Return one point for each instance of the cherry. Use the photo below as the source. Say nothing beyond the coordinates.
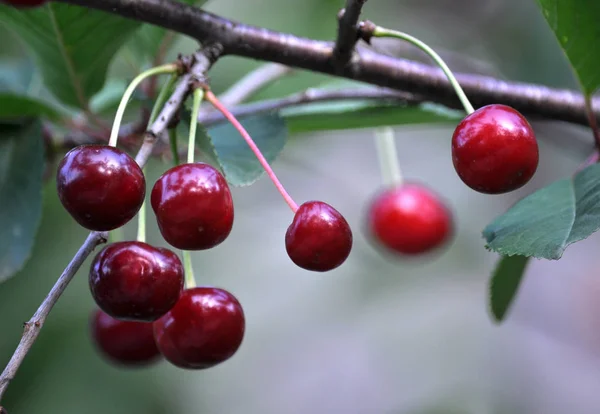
(409, 219)
(319, 238)
(193, 206)
(204, 328)
(124, 342)
(494, 150)
(100, 186)
(136, 281)
(24, 3)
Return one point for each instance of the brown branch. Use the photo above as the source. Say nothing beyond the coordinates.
(347, 32)
(203, 61)
(593, 122)
(367, 66)
(311, 96)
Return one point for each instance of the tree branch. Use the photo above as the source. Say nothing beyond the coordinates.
(253, 82)
(347, 32)
(310, 96)
(367, 66)
(203, 60)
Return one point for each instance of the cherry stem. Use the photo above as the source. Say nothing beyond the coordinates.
(388, 156)
(188, 270)
(141, 233)
(114, 133)
(383, 32)
(173, 144)
(265, 164)
(197, 100)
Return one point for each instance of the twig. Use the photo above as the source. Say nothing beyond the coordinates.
(253, 82)
(589, 110)
(366, 66)
(203, 61)
(347, 32)
(310, 96)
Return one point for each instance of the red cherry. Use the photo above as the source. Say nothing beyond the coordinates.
(136, 281)
(24, 3)
(409, 219)
(193, 206)
(494, 150)
(319, 238)
(124, 342)
(204, 328)
(100, 186)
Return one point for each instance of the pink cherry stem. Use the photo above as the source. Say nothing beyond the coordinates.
(210, 97)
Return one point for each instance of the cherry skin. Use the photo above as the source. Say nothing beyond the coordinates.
(136, 281)
(193, 206)
(24, 3)
(100, 186)
(204, 328)
(319, 238)
(124, 342)
(409, 219)
(494, 150)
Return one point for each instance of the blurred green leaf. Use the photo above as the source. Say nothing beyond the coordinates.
(504, 284)
(575, 24)
(21, 171)
(226, 146)
(544, 223)
(15, 106)
(364, 114)
(73, 46)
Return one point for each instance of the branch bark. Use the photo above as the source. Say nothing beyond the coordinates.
(347, 32)
(367, 66)
(203, 61)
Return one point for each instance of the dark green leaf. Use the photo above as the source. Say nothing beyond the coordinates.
(15, 106)
(236, 159)
(21, 170)
(575, 24)
(73, 46)
(364, 114)
(504, 284)
(543, 224)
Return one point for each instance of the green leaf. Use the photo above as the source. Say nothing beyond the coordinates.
(21, 171)
(16, 107)
(364, 114)
(73, 46)
(543, 224)
(504, 284)
(237, 161)
(575, 24)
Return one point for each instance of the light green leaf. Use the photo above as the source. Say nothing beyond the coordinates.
(21, 170)
(237, 161)
(73, 46)
(575, 24)
(504, 284)
(543, 224)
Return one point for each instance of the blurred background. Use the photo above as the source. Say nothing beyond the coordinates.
(377, 335)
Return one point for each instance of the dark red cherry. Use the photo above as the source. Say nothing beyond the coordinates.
(135, 281)
(100, 186)
(24, 3)
(409, 219)
(124, 342)
(193, 206)
(319, 238)
(204, 328)
(494, 150)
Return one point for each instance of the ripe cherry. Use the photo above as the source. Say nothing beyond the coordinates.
(24, 3)
(100, 186)
(193, 206)
(124, 342)
(204, 328)
(319, 238)
(409, 219)
(136, 281)
(494, 150)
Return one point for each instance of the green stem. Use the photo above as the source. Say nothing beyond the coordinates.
(188, 270)
(116, 235)
(198, 96)
(114, 133)
(388, 157)
(383, 32)
(173, 142)
(141, 234)
(162, 97)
